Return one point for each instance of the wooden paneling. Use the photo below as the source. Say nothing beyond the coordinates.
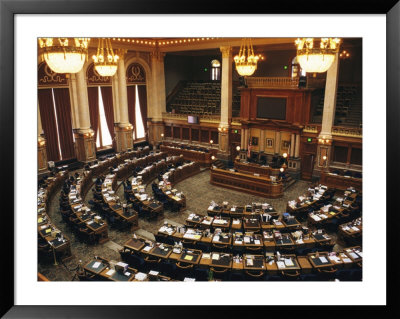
(297, 104)
(340, 182)
(251, 184)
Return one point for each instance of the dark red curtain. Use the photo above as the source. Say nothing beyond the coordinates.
(143, 104)
(93, 94)
(63, 109)
(132, 104)
(106, 94)
(49, 123)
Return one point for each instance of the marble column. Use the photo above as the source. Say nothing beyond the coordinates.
(328, 116)
(297, 147)
(157, 100)
(277, 142)
(115, 92)
(85, 145)
(73, 93)
(122, 128)
(226, 101)
(292, 141)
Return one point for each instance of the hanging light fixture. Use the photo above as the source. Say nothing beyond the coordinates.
(246, 60)
(65, 55)
(105, 61)
(315, 59)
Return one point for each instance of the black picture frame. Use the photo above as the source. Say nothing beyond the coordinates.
(254, 141)
(8, 10)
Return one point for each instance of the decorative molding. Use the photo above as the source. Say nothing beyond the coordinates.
(273, 82)
(135, 74)
(48, 78)
(347, 131)
(310, 129)
(156, 54)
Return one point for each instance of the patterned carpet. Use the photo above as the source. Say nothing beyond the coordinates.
(199, 193)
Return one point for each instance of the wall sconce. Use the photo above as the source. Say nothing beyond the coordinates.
(211, 142)
(284, 155)
(212, 157)
(282, 169)
(324, 141)
(222, 129)
(238, 148)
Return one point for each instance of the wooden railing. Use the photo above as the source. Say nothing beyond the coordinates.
(268, 82)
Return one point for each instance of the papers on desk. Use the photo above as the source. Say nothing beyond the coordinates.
(110, 272)
(246, 239)
(355, 228)
(347, 260)
(188, 257)
(140, 276)
(236, 222)
(206, 256)
(220, 221)
(249, 262)
(323, 260)
(215, 256)
(257, 242)
(216, 238)
(352, 255)
(147, 248)
(96, 264)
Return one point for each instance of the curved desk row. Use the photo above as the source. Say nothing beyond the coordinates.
(238, 241)
(52, 243)
(139, 252)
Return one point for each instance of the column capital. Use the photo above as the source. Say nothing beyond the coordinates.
(226, 51)
(157, 55)
(121, 53)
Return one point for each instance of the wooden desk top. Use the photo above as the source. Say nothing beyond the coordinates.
(135, 244)
(253, 262)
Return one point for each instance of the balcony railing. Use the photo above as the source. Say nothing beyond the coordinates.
(272, 82)
(336, 130)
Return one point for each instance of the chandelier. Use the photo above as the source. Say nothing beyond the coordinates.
(105, 62)
(64, 55)
(246, 61)
(316, 59)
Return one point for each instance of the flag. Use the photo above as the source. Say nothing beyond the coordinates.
(249, 148)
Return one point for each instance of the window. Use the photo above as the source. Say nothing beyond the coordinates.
(139, 121)
(103, 135)
(340, 154)
(215, 70)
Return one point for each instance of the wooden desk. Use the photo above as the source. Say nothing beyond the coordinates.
(203, 158)
(340, 182)
(135, 244)
(251, 168)
(254, 262)
(257, 185)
